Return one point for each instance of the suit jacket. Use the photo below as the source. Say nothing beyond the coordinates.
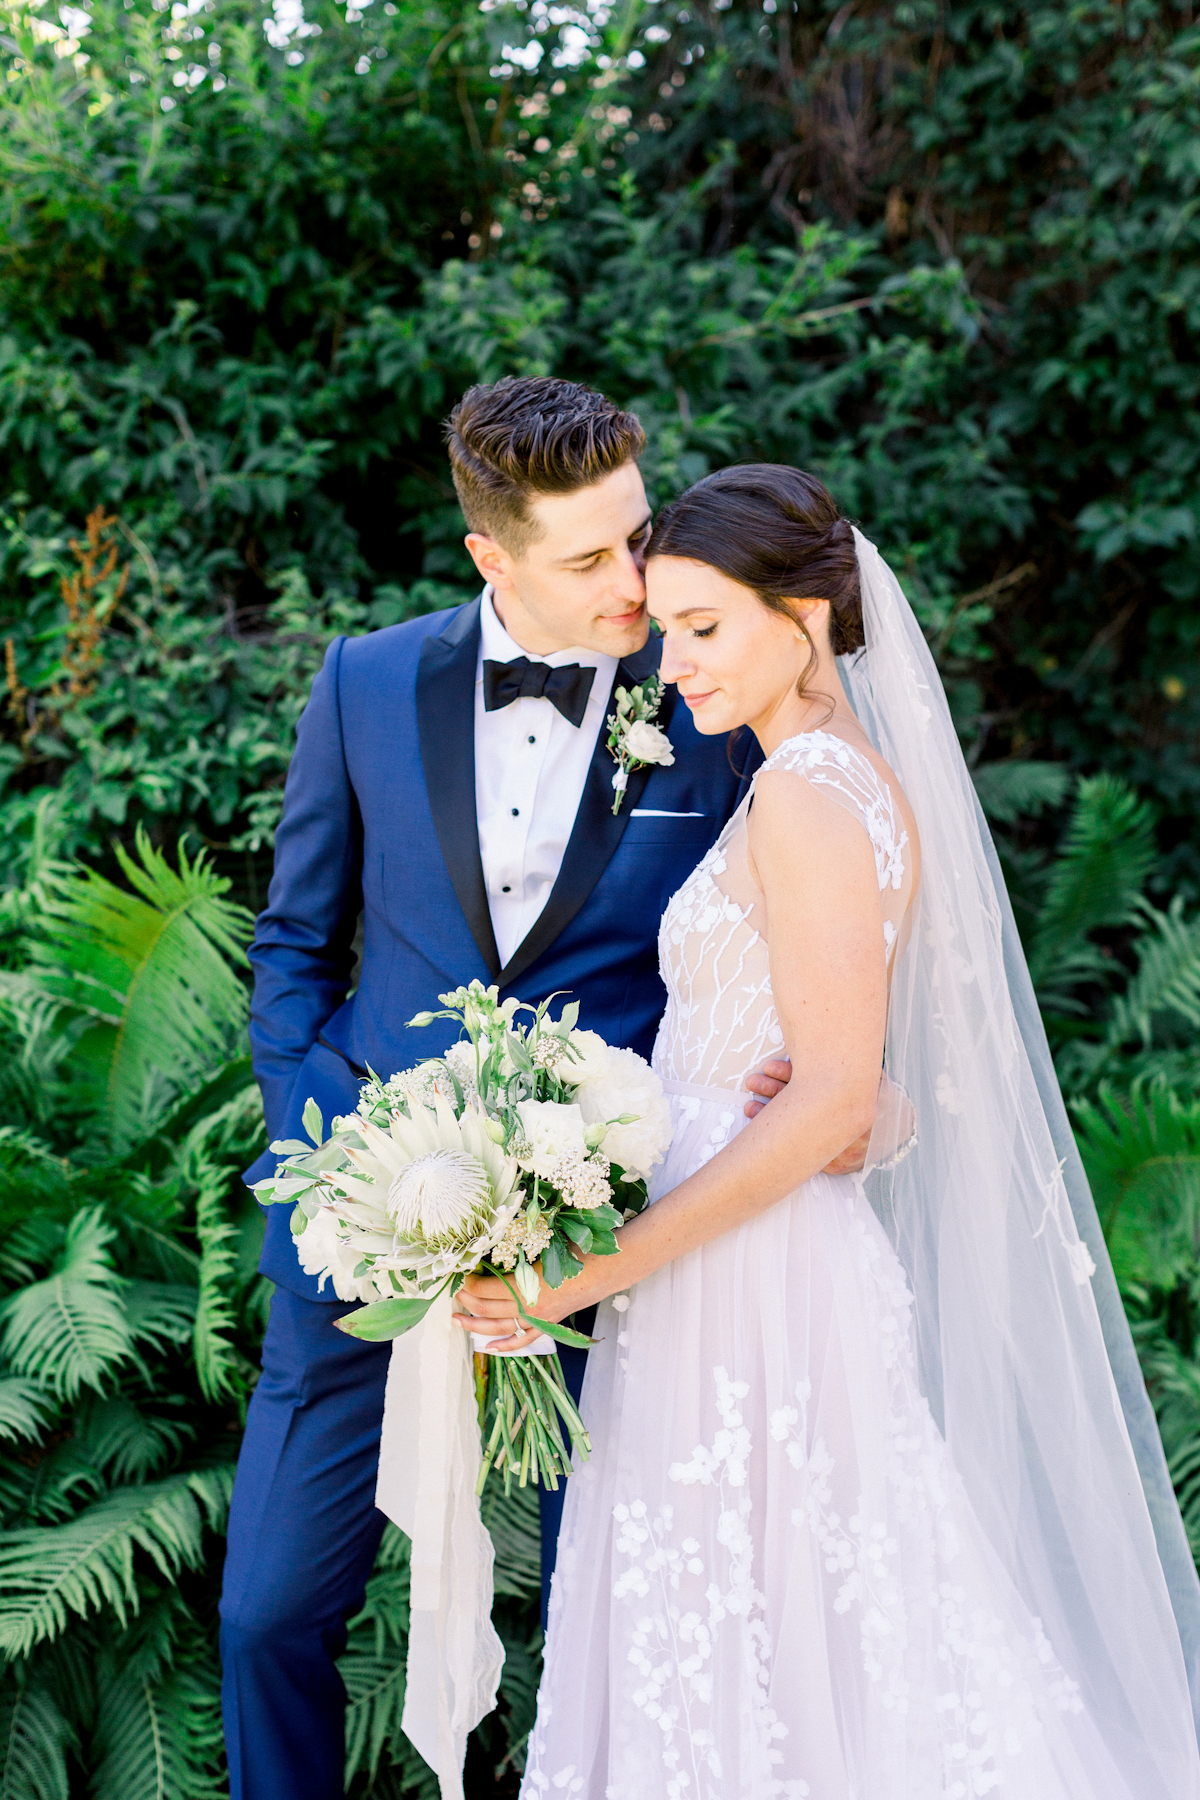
(379, 820)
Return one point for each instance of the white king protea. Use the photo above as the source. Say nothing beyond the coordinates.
(434, 1190)
(443, 1199)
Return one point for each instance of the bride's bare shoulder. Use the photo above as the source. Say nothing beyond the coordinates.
(840, 772)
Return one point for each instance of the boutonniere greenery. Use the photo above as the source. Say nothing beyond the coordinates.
(633, 738)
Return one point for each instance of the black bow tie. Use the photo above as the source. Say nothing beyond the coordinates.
(566, 688)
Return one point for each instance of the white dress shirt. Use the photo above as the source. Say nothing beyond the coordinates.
(530, 768)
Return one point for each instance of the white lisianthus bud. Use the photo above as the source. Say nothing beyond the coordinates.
(495, 1130)
(422, 1018)
(528, 1285)
(645, 743)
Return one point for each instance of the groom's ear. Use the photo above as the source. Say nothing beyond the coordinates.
(490, 558)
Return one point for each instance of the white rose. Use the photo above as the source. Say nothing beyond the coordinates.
(551, 1130)
(590, 1060)
(645, 743)
(322, 1252)
(628, 1085)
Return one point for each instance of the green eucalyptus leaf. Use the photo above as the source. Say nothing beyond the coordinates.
(383, 1320)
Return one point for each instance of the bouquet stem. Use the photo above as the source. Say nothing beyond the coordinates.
(528, 1397)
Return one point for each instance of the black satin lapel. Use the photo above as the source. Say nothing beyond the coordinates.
(597, 830)
(446, 726)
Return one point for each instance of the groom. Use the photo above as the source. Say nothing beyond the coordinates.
(451, 785)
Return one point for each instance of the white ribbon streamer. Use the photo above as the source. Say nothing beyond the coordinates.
(429, 1459)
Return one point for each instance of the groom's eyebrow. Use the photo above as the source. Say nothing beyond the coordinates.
(587, 555)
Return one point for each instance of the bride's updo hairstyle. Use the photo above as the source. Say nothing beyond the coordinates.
(777, 531)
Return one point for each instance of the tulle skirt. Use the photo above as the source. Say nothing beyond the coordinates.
(769, 1579)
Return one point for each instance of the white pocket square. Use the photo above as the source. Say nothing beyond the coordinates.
(654, 812)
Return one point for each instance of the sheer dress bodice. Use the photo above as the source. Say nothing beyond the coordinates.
(720, 1023)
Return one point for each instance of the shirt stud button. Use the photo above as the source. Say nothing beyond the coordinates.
(533, 740)
(516, 812)
(506, 890)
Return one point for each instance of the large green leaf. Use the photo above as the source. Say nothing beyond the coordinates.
(155, 970)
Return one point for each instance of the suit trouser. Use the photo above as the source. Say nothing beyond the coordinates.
(303, 1532)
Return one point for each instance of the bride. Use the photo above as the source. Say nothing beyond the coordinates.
(863, 1519)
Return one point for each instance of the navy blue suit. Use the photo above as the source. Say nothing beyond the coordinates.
(379, 820)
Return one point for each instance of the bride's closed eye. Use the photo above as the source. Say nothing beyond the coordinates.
(707, 630)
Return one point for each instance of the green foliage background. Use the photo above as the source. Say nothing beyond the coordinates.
(945, 255)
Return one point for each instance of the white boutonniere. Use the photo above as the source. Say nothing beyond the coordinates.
(633, 737)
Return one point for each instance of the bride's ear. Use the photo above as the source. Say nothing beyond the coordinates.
(813, 614)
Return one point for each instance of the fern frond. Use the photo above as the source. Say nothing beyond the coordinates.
(70, 1330)
(24, 1407)
(1097, 880)
(372, 1667)
(514, 1524)
(158, 1726)
(155, 971)
(1142, 1156)
(35, 1041)
(1020, 790)
(60, 1482)
(31, 1247)
(161, 1313)
(34, 1740)
(1173, 1380)
(48, 1575)
(218, 1364)
(125, 1444)
(519, 1689)
(1167, 978)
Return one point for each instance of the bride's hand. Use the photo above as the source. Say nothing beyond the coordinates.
(485, 1304)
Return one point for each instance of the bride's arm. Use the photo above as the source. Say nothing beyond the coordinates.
(816, 868)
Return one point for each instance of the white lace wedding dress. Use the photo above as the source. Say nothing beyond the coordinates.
(770, 1581)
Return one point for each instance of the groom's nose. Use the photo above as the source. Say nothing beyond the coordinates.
(629, 578)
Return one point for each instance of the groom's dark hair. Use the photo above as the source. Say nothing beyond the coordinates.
(527, 435)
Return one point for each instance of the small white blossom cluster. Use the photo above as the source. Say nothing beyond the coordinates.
(550, 1052)
(419, 1086)
(583, 1181)
(410, 1087)
(528, 1232)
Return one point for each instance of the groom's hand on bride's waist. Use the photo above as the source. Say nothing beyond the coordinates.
(770, 1080)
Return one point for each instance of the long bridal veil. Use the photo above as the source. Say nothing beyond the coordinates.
(1024, 1352)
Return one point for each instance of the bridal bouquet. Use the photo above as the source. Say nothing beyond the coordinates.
(522, 1145)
